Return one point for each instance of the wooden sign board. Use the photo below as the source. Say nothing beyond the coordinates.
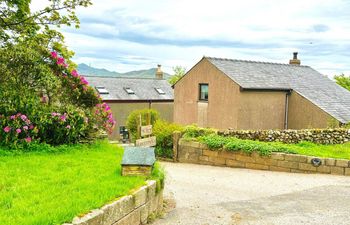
(146, 142)
(146, 130)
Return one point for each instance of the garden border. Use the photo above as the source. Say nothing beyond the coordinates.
(198, 153)
(134, 209)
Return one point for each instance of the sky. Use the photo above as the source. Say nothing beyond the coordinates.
(125, 35)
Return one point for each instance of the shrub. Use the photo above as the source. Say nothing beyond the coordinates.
(164, 130)
(214, 141)
(62, 107)
(63, 127)
(193, 131)
(17, 130)
(133, 120)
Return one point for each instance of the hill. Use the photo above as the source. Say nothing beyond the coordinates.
(92, 71)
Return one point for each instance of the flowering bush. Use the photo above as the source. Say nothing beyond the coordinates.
(104, 117)
(76, 86)
(64, 110)
(68, 127)
(85, 95)
(17, 130)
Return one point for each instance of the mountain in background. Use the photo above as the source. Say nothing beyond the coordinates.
(91, 71)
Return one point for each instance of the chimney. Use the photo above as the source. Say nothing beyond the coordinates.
(159, 73)
(295, 60)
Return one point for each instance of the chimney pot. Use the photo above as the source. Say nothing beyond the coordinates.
(159, 72)
(295, 60)
(295, 55)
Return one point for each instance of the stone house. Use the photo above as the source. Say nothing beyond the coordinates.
(124, 95)
(239, 94)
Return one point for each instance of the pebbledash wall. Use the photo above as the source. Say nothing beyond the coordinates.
(132, 209)
(195, 152)
(320, 136)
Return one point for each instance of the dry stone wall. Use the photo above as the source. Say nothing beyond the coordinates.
(132, 209)
(320, 136)
(198, 153)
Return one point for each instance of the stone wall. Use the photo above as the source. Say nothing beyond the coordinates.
(320, 136)
(132, 209)
(198, 153)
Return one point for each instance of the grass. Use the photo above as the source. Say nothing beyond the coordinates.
(52, 187)
(216, 142)
(340, 151)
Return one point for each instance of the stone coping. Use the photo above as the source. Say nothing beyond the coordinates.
(195, 152)
(131, 209)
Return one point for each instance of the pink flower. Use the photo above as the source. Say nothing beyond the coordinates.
(54, 55)
(55, 114)
(74, 73)
(24, 117)
(65, 65)
(60, 61)
(13, 117)
(7, 129)
(25, 127)
(83, 81)
(68, 126)
(43, 99)
(63, 117)
(28, 139)
(18, 131)
(31, 127)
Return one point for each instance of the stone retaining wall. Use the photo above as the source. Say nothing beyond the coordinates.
(320, 136)
(198, 153)
(132, 209)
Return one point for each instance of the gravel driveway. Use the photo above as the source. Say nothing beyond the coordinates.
(217, 195)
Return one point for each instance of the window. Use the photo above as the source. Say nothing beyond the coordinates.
(102, 90)
(160, 91)
(203, 92)
(129, 91)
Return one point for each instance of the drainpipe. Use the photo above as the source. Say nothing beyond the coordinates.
(150, 104)
(286, 110)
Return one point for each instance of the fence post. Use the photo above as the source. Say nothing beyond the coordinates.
(176, 138)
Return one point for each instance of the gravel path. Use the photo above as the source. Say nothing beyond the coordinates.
(207, 195)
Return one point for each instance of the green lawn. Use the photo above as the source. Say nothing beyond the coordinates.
(51, 188)
(341, 151)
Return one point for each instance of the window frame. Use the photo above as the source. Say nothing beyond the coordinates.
(102, 90)
(160, 91)
(129, 91)
(200, 85)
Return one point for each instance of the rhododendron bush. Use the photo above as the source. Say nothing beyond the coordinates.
(61, 109)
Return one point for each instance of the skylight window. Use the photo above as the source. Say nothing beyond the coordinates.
(129, 91)
(102, 90)
(160, 91)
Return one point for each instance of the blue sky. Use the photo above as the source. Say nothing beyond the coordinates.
(124, 35)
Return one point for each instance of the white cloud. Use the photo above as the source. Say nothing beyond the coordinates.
(134, 34)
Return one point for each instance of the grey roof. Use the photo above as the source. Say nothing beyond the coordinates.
(306, 81)
(144, 88)
(138, 156)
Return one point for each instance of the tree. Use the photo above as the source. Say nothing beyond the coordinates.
(343, 81)
(179, 72)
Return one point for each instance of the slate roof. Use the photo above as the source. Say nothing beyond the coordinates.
(306, 81)
(143, 88)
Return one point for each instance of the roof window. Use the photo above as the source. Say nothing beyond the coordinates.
(102, 90)
(160, 91)
(129, 91)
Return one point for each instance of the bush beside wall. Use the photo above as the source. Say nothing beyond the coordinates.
(319, 136)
